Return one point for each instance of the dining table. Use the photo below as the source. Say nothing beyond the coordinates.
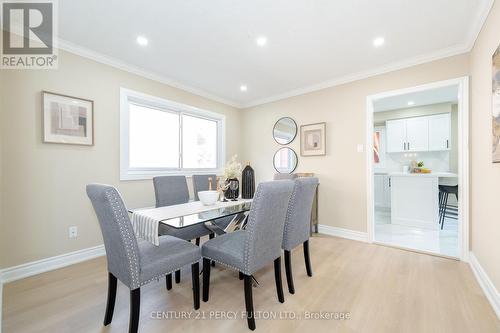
(145, 221)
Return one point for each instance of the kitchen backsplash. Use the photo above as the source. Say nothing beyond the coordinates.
(438, 161)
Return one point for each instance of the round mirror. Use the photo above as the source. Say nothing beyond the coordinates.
(285, 130)
(285, 160)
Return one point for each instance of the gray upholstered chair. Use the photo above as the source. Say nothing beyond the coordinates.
(173, 190)
(281, 176)
(251, 249)
(298, 224)
(200, 183)
(136, 262)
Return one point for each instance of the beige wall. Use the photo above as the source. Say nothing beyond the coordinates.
(342, 171)
(2, 221)
(485, 176)
(44, 184)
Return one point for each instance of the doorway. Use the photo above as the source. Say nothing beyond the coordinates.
(417, 168)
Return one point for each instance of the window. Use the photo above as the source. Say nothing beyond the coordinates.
(160, 137)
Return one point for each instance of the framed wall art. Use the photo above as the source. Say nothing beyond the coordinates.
(313, 139)
(67, 119)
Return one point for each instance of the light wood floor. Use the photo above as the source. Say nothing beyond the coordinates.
(384, 290)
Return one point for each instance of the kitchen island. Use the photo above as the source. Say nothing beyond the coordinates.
(414, 198)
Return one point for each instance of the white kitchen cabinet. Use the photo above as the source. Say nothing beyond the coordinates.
(382, 191)
(396, 136)
(440, 132)
(428, 133)
(417, 134)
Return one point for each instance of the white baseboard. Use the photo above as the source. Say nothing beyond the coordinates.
(343, 233)
(484, 281)
(41, 266)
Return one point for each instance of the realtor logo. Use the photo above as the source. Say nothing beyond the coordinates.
(28, 35)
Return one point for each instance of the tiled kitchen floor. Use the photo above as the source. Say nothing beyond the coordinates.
(437, 241)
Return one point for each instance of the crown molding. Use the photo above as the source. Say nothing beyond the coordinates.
(113, 62)
(478, 23)
(444, 53)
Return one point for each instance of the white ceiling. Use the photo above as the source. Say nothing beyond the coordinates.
(425, 97)
(208, 47)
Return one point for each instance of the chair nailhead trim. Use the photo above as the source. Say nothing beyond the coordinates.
(128, 239)
(250, 229)
(227, 265)
(289, 212)
(163, 274)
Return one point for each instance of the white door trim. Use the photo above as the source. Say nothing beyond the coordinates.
(463, 156)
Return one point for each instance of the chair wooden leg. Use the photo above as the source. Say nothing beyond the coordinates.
(240, 275)
(288, 271)
(307, 258)
(197, 241)
(249, 302)
(206, 278)
(168, 280)
(210, 236)
(277, 279)
(135, 310)
(178, 276)
(110, 306)
(195, 273)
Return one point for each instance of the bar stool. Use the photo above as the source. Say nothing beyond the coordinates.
(444, 191)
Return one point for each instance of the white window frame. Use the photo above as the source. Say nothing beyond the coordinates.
(128, 96)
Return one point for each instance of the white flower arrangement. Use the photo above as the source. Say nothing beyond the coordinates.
(233, 168)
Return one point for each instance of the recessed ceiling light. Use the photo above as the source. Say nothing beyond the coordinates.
(243, 88)
(379, 41)
(141, 40)
(261, 41)
(410, 103)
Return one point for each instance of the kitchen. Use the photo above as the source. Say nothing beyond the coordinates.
(415, 165)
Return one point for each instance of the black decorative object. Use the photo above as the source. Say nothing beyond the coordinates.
(247, 182)
(232, 191)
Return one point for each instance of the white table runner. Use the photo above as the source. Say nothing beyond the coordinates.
(145, 221)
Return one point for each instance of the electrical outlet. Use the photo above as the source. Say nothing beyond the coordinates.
(73, 232)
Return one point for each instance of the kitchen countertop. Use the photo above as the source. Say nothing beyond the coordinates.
(432, 174)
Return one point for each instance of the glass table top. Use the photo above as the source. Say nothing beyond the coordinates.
(206, 216)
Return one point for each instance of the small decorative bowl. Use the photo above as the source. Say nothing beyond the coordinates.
(208, 198)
